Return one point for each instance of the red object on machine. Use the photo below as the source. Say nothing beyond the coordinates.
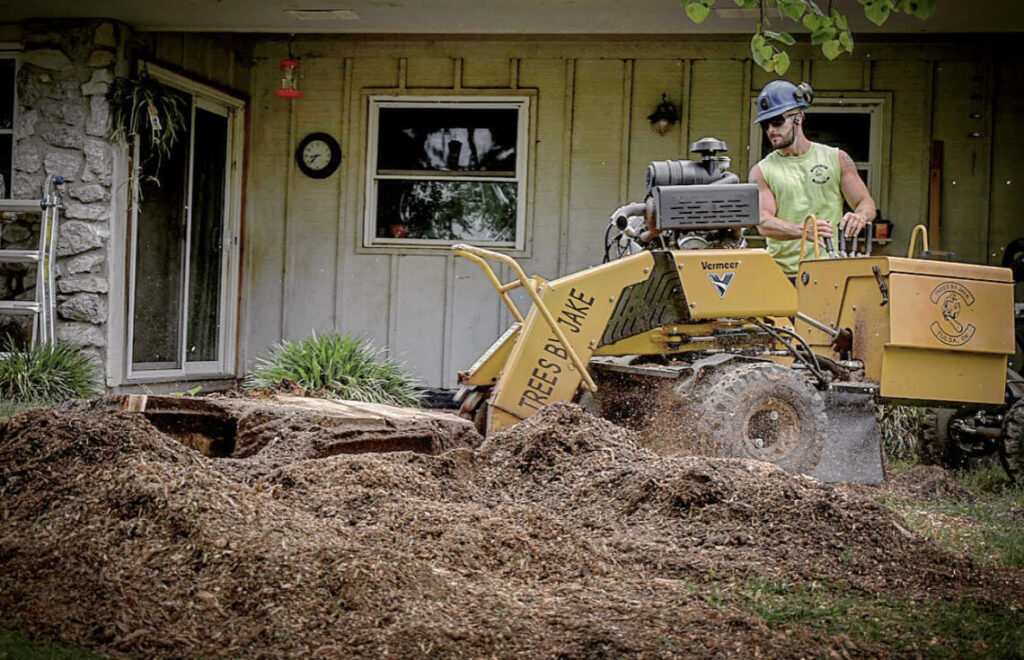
(289, 79)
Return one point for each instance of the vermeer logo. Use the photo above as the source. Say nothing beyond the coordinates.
(721, 282)
(819, 174)
(950, 300)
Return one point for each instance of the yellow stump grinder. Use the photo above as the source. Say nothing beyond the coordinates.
(705, 347)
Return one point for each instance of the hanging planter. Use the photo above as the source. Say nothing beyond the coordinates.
(143, 108)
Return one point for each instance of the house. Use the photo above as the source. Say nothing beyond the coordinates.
(517, 126)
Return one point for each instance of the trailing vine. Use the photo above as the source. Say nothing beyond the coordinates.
(829, 28)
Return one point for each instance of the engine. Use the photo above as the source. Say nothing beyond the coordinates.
(690, 204)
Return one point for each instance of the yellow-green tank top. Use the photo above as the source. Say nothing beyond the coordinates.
(803, 184)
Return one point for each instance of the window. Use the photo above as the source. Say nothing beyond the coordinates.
(7, 70)
(852, 124)
(447, 170)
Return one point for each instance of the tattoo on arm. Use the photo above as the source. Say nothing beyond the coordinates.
(846, 161)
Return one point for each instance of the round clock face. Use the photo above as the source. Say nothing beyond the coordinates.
(318, 155)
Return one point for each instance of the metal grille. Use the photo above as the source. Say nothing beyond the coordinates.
(701, 207)
(650, 304)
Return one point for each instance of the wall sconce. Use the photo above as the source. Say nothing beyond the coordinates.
(664, 116)
(289, 78)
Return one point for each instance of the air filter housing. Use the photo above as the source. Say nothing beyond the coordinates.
(701, 207)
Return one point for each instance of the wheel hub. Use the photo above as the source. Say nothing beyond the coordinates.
(772, 429)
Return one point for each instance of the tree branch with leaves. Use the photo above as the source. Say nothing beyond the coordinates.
(829, 28)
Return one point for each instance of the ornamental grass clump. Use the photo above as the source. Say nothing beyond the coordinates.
(46, 374)
(334, 367)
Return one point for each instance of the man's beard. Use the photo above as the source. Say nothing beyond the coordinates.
(787, 141)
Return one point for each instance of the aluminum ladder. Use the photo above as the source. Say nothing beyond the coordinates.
(44, 308)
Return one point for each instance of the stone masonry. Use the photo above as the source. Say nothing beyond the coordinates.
(63, 129)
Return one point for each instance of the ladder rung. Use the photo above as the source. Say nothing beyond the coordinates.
(20, 205)
(19, 307)
(19, 256)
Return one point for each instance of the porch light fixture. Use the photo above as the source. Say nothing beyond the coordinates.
(664, 116)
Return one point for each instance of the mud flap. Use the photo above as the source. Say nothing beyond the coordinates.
(853, 450)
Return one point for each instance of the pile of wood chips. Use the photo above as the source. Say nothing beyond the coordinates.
(559, 538)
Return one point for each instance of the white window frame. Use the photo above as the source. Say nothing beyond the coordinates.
(520, 103)
(233, 108)
(873, 106)
(9, 51)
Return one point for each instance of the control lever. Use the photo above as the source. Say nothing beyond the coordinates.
(881, 285)
(830, 248)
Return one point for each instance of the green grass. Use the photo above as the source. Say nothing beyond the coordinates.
(989, 530)
(15, 645)
(334, 366)
(933, 629)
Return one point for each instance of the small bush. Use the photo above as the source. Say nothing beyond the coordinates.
(334, 366)
(46, 374)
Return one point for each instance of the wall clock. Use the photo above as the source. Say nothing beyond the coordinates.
(318, 155)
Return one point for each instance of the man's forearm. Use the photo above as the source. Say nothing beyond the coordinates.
(777, 228)
(866, 209)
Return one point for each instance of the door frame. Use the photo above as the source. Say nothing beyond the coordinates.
(209, 99)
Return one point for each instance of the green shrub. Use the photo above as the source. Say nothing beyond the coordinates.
(46, 374)
(334, 366)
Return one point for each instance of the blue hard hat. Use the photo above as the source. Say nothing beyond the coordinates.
(779, 96)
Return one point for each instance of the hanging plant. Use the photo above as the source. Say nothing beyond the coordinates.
(143, 108)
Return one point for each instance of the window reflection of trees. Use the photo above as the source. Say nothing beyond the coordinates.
(450, 210)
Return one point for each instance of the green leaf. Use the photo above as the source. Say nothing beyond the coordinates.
(831, 49)
(821, 35)
(748, 4)
(846, 41)
(812, 21)
(877, 12)
(794, 10)
(757, 47)
(697, 11)
(840, 21)
(781, 62)
(922, 8)
(781, 37)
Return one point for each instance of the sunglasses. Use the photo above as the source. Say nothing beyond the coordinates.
(775, 122)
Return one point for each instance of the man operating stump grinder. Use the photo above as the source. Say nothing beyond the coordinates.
(801, 177)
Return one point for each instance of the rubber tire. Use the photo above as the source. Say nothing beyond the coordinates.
(737, 409)
(1011, 442)
(935, 444)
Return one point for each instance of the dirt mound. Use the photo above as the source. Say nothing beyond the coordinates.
(929, 482)
(561, 537)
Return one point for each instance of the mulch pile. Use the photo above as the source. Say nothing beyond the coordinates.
(559, 538)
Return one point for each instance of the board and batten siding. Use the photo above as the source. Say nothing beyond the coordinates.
(305, 269)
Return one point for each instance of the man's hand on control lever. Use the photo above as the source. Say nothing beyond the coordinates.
(851, 224)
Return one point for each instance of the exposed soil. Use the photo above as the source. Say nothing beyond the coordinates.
(559, 538)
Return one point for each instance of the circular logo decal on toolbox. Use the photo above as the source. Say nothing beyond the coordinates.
(950, 300)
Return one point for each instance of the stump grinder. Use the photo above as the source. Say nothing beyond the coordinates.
(705, 347)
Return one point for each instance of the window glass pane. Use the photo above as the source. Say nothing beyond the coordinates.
(446, 210)
(448, 139)
(206, 244)
(850, 131)
(159, 255)
(5, 165)
(6, 93)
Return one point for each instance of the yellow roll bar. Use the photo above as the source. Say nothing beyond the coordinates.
(919, 229)
(480, 256)
(803, 234)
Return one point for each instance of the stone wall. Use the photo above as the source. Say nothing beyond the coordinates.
(63, 129)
